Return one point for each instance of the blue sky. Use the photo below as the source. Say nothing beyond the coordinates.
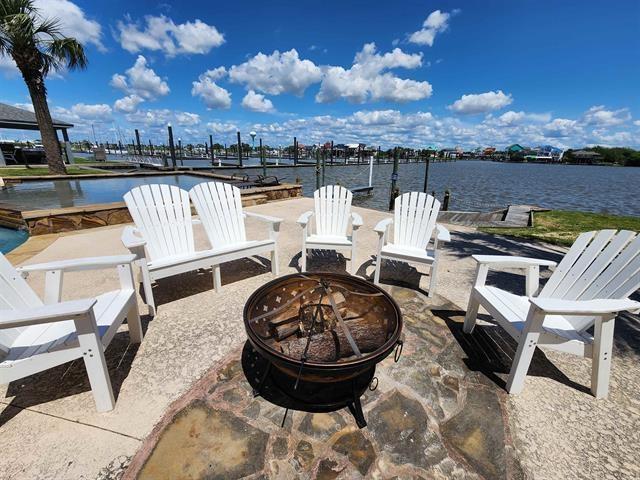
(409, 72)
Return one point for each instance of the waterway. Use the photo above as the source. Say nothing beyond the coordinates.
(474, 186)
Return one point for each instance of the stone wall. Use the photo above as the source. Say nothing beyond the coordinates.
(39, 222)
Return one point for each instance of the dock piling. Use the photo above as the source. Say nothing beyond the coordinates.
(172, 147)
(445, 200)
(394, 180)
(263, 160)
(138, 142)
(426, 174)
(239, 151)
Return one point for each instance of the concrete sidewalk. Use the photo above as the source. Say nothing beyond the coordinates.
(50, 429)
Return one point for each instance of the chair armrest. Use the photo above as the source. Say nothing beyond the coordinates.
(78, 264)
(264, 218)
(584, 307)
(304, 218)
(512, 262)
(46, 313)
(132, 238)
(356, 220)
(442, 233)
(382, 225)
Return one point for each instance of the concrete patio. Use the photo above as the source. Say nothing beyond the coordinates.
(554, 429)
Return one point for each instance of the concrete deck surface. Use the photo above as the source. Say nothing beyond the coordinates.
(49, 427)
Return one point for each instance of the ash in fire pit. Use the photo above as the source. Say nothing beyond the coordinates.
(324, 334)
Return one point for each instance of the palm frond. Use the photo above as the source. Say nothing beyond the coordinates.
(13, 7)
(48, 26)
(37, 44)
(68, 52)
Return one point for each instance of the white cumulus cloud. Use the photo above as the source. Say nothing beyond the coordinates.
(8, 66)
(481, 102)
(276, 73)
(140, 80)
(73, 21)
(128, 104)
(212, 94)
(512, 118)
(367, 79)
(256, 102)
(24, 106)
(221, 127)
(160, 33)
(437, 22)
(598, 115)
(560, 128)
(187, 118)
(83, 113)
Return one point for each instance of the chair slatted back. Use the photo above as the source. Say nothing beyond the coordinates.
(15, 293)
(219, 206)
(603, 264)
(163, 214)
(415, 218)
(332, 210)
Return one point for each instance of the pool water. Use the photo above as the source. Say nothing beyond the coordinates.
(10, 239)
(72, 193)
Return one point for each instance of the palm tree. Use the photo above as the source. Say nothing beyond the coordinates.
(38, 47)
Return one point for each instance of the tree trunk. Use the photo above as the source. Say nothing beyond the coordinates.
(45, 124)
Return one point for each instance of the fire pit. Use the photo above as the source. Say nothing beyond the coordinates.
(315, 339)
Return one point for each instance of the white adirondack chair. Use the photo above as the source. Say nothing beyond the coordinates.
(219, 207)
(414, 224)
(36, 335)
(588, 288)
(333, 215)
(162, 239)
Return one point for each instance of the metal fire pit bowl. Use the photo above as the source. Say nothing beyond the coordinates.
(285, 297)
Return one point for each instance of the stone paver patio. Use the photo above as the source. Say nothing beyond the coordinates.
(450, 381)
(430, 417)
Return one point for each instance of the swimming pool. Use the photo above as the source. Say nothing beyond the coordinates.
(41, 195)
(10, 239)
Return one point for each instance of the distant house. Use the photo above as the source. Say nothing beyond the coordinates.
(450, 153)
(586, 156)
(489, 151)
(515, 148)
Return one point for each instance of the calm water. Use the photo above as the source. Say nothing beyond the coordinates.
(484, 186)
(474, 185)
(10, 239)
(70, 193)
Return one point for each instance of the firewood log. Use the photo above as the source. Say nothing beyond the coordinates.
(332, 345)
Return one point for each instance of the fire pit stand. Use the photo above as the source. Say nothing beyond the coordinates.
(278, 388)
(314, 340)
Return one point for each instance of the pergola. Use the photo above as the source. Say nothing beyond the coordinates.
(15, 118)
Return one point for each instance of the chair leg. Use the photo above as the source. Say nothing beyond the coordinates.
(602, 353)
(376, 274)
(275, 269)
(472, 314)
(100, 382)
(303, 259)
(433, 273)
(352, 267)
(148, 291)
(217, 281)
(133, 320)
(95, 363)
(526, 347)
